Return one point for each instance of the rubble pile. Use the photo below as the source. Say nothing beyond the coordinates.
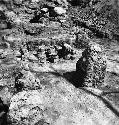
(43, 54)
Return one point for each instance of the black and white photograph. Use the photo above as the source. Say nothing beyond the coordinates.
(59, 62)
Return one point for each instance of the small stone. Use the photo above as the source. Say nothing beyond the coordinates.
(35, 1)
(59, 10)
(32, 57)
(45, 9)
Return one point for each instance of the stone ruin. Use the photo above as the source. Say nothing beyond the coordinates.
(91, 67)
(51, 54)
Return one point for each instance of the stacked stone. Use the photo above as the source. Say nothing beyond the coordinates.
(92, 65)
(96, 68)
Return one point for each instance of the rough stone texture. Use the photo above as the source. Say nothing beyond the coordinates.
(28, 81)
(59, 104)
(27, 71)
(92, 65)
(97, 67)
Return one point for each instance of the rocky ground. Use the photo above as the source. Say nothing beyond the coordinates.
(52, 57)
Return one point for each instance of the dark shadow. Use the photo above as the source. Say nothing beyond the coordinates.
(2, 16)
(36, 18)
(80, 3)
(3, 108)
(71, 77)
(56, 74)
(18, 85)
(29, 33)
(115, 74)
(81, 24)
(116, 37)
(77, 79)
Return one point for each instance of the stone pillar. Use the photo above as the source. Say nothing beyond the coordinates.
(92, 65)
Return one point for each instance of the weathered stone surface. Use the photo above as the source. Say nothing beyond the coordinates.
(92, 65)
(26, 80)
(47, 99)
(60, 10)
(59, 104)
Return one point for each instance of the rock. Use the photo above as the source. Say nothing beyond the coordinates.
(5, 95)
(35, 1)
(32, 57)
(30, 82)
(18, 85)
(82, 3)
(92, 65)
(97, 92)
(59, 104)
(44, 9)
(67, 46)
(2, 8)
(11, 15)
(51, 101)
(116, 69)
(59, 10)
(29, 107)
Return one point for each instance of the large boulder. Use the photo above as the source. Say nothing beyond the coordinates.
(60, 104)
(29, 107)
